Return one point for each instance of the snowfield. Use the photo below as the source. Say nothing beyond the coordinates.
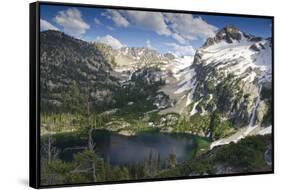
(239, 58)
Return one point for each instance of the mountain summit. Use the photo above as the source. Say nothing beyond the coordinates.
(228, 34)
(234, 68)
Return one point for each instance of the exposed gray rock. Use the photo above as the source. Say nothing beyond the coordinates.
(169, 56)
(224, 169)
(268, 155)
(254, 47)
(161, 101)
(228, 34)
(261, 110)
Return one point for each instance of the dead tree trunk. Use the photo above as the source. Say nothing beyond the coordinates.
(49, 148)
(90, 140)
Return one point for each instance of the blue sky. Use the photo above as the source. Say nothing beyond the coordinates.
(165, 32)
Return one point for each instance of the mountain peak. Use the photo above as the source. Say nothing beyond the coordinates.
(228, 29)
(229, 34)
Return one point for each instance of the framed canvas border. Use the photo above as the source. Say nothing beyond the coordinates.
(34, 93)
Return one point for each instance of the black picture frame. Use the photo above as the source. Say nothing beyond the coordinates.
(34, 93)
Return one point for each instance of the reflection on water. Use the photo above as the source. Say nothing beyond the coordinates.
(118, 149)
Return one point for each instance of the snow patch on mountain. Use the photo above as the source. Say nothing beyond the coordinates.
(183, 73)
(240, 57)
(194, 110)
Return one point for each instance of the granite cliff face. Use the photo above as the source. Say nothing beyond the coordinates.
(233, 73)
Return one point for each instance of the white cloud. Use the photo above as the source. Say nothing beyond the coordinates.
(179, 38)
(182, 27)
(116, 17)
(189, 27)
(148, 20)
(110, 40)
(97, 21)
(110, 28)
(181, 50)
(72, 22)
(45, 25)
(149, 45)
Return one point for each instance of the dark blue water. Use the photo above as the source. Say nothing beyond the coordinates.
(119, 149)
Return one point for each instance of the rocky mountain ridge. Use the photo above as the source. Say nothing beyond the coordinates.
(234, 74)
(229, 78)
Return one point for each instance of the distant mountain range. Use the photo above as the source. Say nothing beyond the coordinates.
(231, 73)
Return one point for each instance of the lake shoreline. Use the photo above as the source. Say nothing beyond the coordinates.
(184, 146)
(241, 134)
